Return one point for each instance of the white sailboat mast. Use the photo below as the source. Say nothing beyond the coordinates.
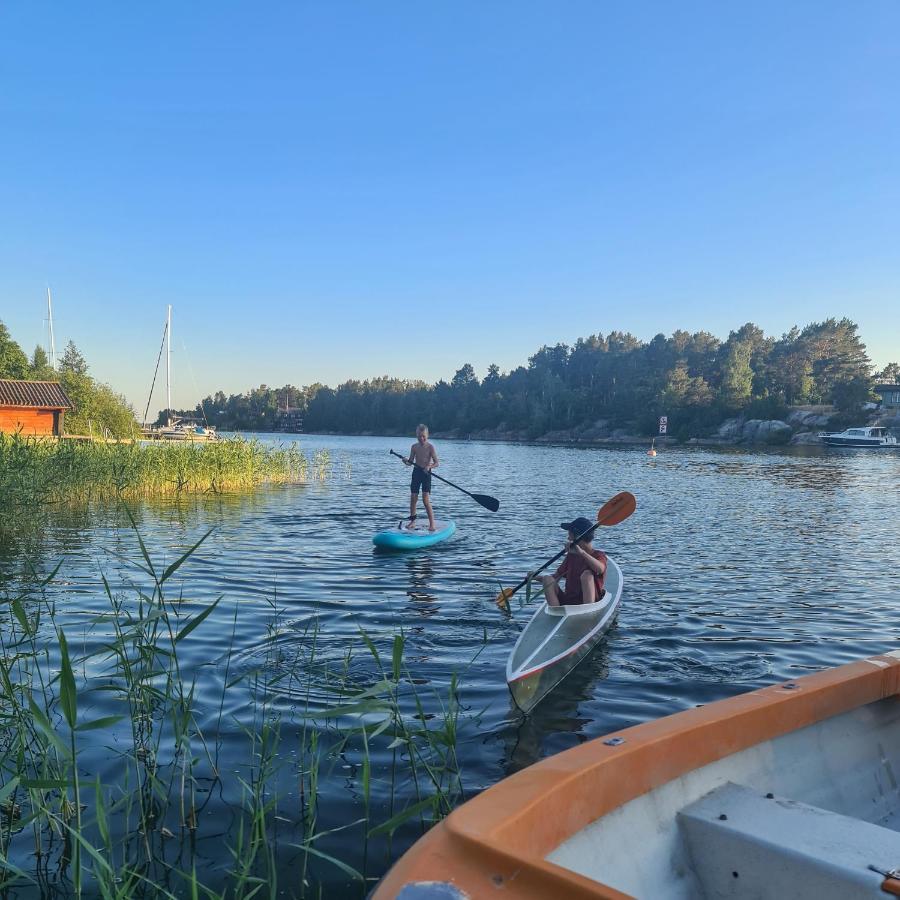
(52, 337)
(169, 365)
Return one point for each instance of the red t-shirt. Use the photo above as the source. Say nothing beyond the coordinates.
(572, 567)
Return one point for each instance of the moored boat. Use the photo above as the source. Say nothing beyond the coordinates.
(181, 430)
(871, 436)
(176, 428)
(787, 791)
(556, 639)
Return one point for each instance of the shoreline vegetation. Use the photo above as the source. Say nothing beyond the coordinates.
(605, 389)
(35, 471)
(98, 408)
(93, 804)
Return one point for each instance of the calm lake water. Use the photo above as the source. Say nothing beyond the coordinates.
(741, 568)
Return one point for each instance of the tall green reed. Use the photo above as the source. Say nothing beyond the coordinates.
(131, 827)
(40, 471)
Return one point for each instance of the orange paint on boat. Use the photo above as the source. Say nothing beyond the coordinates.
(499, 840)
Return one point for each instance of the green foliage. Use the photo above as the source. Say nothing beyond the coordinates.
(465, 376)
(695, 379)
(890, 374)
(40, 366)
(73, 361)
(766, 408)
(13, 361)
(737, 375)
(98, 408)
(849, 396)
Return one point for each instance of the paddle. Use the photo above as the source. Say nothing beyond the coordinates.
(612, 512)
(491, 503)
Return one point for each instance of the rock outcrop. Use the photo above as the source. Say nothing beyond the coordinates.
(800, 418)
(806, 438)
(755, 431)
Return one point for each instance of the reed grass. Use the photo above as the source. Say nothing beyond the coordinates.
(35, 471)
(133, 826)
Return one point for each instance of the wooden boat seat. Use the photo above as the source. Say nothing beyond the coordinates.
(745, 844)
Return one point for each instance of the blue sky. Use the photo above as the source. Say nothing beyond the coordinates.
(330, 190)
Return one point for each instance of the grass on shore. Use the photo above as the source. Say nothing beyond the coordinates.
(34, 472)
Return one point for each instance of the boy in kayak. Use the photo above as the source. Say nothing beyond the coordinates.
(424, 458)
(583, 569)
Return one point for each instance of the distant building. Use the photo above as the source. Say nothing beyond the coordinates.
(890, 395)
(33, 407)
(290, 420)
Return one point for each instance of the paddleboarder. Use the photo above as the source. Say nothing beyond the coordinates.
(583, 569)
(423, 457)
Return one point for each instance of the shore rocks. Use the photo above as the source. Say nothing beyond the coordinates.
(731, 430)
(755, 431)
(801, 428)
(806, 438)
(801, 418)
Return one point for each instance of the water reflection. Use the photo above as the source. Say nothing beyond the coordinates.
(556, 722)
(421, 575)
(741, 568)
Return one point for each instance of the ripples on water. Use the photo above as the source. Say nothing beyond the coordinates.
(741, 568)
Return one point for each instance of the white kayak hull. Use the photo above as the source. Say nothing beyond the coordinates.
(557, 639)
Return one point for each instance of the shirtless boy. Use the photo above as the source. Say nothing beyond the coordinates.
(424, 457)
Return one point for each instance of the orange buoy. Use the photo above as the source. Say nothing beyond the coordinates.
(651, 452)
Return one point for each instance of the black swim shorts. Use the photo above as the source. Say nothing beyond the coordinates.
(420, 480)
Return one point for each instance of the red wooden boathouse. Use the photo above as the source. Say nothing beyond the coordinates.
(33, 407)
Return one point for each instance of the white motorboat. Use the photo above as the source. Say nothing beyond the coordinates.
(871, 436)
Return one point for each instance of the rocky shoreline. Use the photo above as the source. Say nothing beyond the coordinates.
(801, 428)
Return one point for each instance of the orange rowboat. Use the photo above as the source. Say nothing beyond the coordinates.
(791, 791)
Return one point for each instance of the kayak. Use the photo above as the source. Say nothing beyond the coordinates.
(558, 638)
(789, 791)
(402, 538)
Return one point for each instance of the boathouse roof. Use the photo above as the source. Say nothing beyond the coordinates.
(34, 394)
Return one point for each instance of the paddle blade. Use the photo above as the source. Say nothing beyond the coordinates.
(617, 509)
(491, 503)
(504, 596)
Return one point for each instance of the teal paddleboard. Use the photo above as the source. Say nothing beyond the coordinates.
(402, 538)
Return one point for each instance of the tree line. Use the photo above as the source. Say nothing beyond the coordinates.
(695, 379)
(98, 407)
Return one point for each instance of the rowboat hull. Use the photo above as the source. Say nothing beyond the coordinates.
(556, 640)
(787, 791)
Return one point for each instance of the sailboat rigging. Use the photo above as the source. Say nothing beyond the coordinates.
(176, 428)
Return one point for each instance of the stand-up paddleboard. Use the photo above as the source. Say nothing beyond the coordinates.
(402, 538)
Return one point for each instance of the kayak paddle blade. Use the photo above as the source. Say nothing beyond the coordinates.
(617, 509)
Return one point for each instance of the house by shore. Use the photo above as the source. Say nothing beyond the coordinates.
(33, 408)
